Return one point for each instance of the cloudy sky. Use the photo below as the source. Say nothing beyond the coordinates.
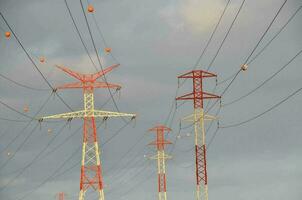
(154, 41)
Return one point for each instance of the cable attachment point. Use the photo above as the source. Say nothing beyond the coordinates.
(118, 90)
(133, 119)
(104, 121)
(40, 126)
(54, 92)
(244, 67)
(69, 122)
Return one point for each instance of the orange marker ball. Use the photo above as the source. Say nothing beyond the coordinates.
(42, 59)
(90, 8)
(107, 50)
(7, 34)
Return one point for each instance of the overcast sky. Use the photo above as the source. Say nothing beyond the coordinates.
(154, 41)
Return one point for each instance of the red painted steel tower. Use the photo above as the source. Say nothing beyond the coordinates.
(198, 118)
(161, 157)
(61, 196)
(91, 170)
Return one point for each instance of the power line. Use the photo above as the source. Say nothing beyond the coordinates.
(22, 85)
(118, 178)
(262, 50)
(126, 153)
(116, 133)
(272, 39)
(51, 176)
(263, 35)
(234, 76)
(98, 58)
(201, 56)
(26, 126)
(237, 73)
(210, 39)
(102, 36)
(140, 182)
(276, 35)
(264, 82)
(13, 120)
(34, 159)
(225, 37)
(79, 34)
(263, 113)
(213, 33)
(18, 149)
(31, 60)
(16, 111)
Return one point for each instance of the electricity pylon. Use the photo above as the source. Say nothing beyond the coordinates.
(161, 157)
(91, 170)
(198, 118)
(61, 196)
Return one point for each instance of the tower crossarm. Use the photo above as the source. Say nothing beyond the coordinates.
(88, 113)
(200, 96)
(96, 84)
(69, 115)
(101, 113)
(156, 157)
(199, 115)
(197, 74)
(164, 142)
(87, 77)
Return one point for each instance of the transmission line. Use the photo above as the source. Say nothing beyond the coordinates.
(98, 58)
(22, 85)
(266, 111)
(32, 61)
(264, 82)
(248, 62)
(79, 34)
(26, 126)
(225, 37)
(33, 160)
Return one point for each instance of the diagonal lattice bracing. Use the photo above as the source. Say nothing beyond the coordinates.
(91, 168)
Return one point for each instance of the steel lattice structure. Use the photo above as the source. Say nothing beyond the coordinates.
(198, 118)
(61, 196)
(91, 170)
(161, 157)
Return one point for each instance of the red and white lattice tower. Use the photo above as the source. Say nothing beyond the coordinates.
(161, 157)
(61, 196)
(198, 118)
(91, 169)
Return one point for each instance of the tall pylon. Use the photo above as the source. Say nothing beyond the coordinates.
(161, 157)
(198, 118)
(91, 170)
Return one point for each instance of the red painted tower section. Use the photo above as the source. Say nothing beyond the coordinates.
(198, 95)
(160, 144)
(61, 196)
(91, 170)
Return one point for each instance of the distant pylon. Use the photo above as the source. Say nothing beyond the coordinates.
(91, 170)
(161, 159)
(61, 196)
(198, 118)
